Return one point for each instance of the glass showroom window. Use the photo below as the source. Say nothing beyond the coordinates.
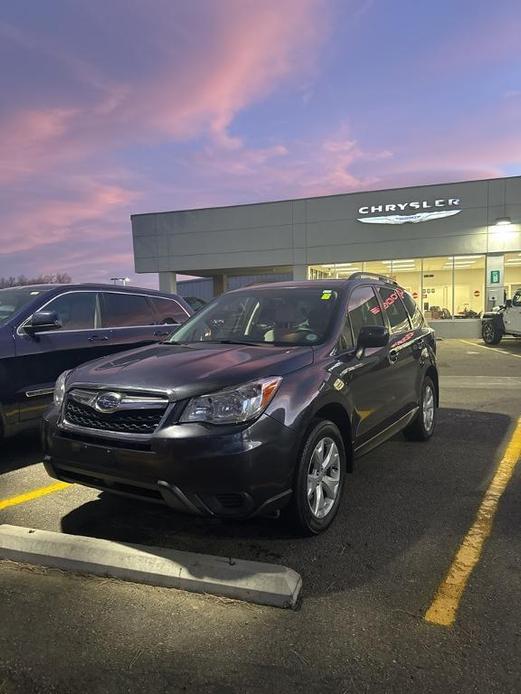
(407, 272)
(469, 285)
(333, 270)
(512, 273)
(437, 299)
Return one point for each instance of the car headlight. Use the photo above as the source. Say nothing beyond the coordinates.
(59, 388)
(233, 405)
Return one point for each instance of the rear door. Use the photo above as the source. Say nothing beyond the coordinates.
(365, 376)
(402, 354)
(40, 358)
(131, 318)
(168, 312)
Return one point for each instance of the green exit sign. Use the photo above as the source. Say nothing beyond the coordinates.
(495, 276)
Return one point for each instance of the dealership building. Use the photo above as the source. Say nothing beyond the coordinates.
(455, 246)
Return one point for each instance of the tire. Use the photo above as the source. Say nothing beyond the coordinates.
(308, 513)
(491, 333)
(424, 423)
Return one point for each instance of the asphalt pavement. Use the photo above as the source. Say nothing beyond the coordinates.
(368, 581)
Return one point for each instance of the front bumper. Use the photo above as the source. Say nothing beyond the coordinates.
(206, 470)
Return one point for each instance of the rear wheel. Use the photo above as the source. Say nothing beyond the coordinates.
(491, 334)
(422, 426)
(319, 479)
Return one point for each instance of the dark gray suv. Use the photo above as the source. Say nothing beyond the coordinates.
(258, 403)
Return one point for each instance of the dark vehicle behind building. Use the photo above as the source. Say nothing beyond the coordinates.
(45, 329)
(195, 302)
(258, 403)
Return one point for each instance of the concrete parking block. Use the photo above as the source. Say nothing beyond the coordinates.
(251, 581)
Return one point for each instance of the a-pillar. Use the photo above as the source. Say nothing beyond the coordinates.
(168, 282)
(220, 284)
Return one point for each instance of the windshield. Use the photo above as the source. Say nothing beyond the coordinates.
(13, 300)
(279, 316)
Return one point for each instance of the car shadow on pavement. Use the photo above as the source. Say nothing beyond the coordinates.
(401, 495)
(508, 344)
(20, 451)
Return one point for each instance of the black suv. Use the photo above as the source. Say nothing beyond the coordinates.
(46, 328)
(258, 403)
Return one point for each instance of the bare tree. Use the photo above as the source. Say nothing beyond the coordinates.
(23, 281)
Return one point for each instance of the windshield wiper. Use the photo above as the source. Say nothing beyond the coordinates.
(215, 342)
(236, 342)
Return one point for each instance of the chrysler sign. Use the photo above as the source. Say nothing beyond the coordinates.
(414, 212)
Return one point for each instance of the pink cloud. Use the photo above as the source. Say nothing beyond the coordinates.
(37, 224)
(28, 138)
(254, 47)
(183, 74)
(63, 148)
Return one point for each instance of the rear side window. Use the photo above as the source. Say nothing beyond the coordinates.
(394, 309)
(363, 309)
(168, 310)
(125, 310)
(412, 309)
(76, 311)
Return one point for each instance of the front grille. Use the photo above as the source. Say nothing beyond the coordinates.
(124, 422)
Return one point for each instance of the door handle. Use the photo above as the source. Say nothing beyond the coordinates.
(98, 338)
(393, 356)
(162, 333)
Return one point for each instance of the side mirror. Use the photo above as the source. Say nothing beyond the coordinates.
(508, 303)
(372, 336)
(41, 321)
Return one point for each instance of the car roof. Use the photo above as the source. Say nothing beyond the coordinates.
(324, 283)
(93, 287)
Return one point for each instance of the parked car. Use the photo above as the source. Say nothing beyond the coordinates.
(195, 302)
(46, 328)
(506, 320)
(258, 403)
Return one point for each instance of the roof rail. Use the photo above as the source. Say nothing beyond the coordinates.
(372, 275)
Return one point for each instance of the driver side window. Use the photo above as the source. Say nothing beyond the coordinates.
(364, 309)
(516, 299)
(76, 310)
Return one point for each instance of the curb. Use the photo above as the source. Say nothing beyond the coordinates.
(251, 581)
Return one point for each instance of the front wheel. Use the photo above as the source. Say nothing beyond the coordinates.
(491, 334)
(422, 426)
(319, 479)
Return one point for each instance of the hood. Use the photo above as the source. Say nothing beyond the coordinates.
(190, 370)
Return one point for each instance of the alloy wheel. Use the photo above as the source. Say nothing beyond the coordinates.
(428, 407)
(323, 479)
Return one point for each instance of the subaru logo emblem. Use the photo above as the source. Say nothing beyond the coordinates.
(108, 402)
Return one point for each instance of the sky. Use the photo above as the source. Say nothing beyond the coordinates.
(115, 107)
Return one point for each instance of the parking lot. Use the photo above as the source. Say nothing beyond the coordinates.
(368, 581)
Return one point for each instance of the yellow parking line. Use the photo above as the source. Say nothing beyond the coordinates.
(446, 601)
(492, 349)
(33, 494)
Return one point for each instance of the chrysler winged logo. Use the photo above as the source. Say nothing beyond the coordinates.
(411, 218)
(108, 402)
(413, 211)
